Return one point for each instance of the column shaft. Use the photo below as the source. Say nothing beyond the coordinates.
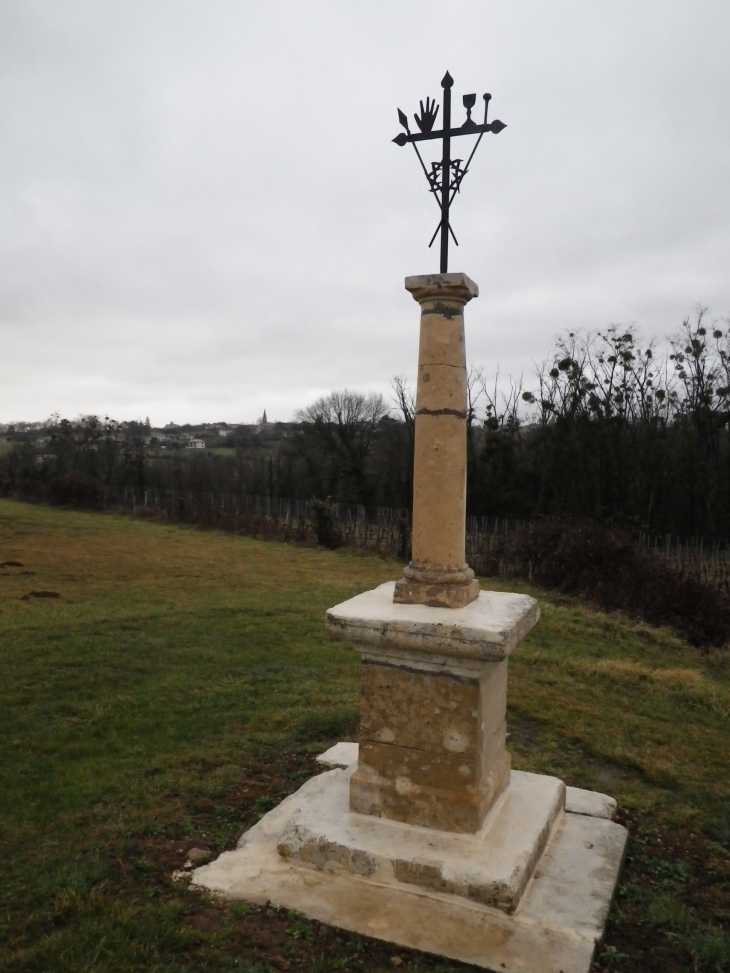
(438, 574)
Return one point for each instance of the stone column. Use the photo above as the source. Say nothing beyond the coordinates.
(438, 574)
(434, 650)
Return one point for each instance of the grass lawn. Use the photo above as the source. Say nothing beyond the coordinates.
(181, 683)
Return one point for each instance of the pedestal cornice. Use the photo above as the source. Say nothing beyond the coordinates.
(486, 630)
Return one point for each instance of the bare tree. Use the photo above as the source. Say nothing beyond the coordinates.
(405, 401)
(344, 425)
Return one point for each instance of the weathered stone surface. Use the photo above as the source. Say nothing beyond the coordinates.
(436, 595)
(438, 574)
(595, 805)
(492, 867)
(432, 745)
(554, 928)
(487, 629)
(432, 712)
(577, 875)
(437, 286)
(424, 789)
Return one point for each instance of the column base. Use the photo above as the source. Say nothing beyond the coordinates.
(435, 595)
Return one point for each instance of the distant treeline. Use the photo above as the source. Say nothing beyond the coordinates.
(608, 429)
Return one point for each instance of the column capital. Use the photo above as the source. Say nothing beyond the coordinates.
(450, 287)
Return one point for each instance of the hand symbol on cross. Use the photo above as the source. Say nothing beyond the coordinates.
(428, 115)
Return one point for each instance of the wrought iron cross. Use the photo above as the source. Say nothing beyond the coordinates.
(445, 177)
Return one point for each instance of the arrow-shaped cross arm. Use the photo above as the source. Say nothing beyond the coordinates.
(495, 127)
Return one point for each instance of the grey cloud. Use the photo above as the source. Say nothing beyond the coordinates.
(204, 214)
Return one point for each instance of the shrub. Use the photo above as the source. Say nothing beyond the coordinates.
(608, 568)
(325, 522)
(76, 490)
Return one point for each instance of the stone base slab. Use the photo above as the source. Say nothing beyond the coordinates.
(555, 927)
(492, 867)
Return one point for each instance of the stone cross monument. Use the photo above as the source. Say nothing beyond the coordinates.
(421, 834)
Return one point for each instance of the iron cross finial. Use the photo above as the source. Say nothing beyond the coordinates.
(445, 177)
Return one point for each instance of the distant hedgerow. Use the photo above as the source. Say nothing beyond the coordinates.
(608, 568)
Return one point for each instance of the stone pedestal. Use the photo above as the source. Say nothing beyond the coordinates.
(422, 836)
(438, 574)
(433, 697)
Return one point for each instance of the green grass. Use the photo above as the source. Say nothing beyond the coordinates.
(178, 667)
(623, 706)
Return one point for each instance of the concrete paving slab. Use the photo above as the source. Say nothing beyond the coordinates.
(340, 755)
(554, 929)
(595, 805)
(574, 883)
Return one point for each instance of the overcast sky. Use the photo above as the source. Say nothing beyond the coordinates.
(203, 214)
